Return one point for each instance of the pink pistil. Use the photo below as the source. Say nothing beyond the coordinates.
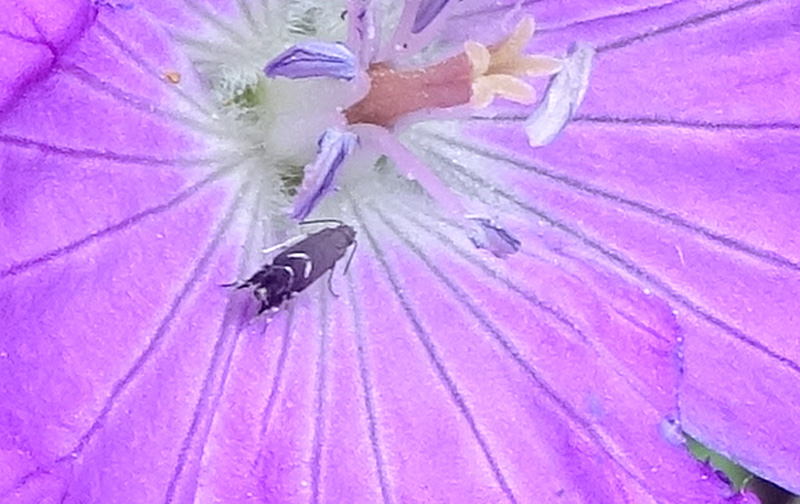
(394, 94)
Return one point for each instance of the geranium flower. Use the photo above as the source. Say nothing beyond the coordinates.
(519, 323)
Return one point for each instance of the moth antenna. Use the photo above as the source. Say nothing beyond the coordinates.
(321, 221)
(350, 259)
(285, 244)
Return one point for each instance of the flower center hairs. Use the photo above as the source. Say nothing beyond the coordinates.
(327, 99)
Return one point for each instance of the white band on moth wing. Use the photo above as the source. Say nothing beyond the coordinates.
(305, 257)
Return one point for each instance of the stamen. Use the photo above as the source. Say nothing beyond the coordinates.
(363, 31)
(334, 147)
(314, 59)
(493, 238)
(426, 13)
(486, 88)
(563, 96)
(508, 53)
(479, 57)
(172, 77)
(476, 77)
(497, 70)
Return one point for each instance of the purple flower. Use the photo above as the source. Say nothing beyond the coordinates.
(145, 160)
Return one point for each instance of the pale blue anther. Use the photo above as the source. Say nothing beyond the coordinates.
(493, 238)
(314, 59)
(333, 148)
(562, 97)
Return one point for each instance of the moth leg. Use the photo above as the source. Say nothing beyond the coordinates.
(350, 259)
(330, 282)
(239, 284)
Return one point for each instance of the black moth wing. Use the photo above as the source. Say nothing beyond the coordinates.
(312, 257)
(298, 266)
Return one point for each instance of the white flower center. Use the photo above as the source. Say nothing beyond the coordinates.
(281, 119)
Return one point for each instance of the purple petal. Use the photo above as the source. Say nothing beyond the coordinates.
(497, 397)
(494, 238)
(334, 146)
(314, 59)
(439, 375)
(114, 246)
(680, 170)
(32, 36)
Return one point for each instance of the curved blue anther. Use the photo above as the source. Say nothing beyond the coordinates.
(314, 59)
(493, 238)
(334, 147)
(426, 13)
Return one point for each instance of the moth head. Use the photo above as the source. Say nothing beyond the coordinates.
(261, 293)
(273, 286)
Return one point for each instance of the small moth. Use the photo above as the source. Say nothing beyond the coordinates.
(299, 265)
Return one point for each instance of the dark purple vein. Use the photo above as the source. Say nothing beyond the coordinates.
(642, 326)
(144, 65)
(101, 154)
(207, 402)
(555, 313)
(663, 215)
(286, 343)
(136, 102)
(320, 386)
(209, 397)
(508, 346)
(689, 124)
(194, 278)
(434, 358)
(247, 13)
(678, 26)
(367, 391)
(219, 52)
(619, 15)
(664, 122)
(26, 40)
(113, 229)
(153, 345)
(629, 266)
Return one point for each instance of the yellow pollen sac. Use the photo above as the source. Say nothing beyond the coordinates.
(496, 70)
(172, 77)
